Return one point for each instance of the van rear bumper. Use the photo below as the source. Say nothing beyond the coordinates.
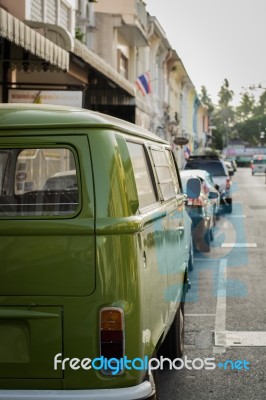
(142, 391)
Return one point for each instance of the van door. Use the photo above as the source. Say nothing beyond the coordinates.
(47, 247)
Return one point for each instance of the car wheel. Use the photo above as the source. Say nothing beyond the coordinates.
(211, 234)
(173, 345)
(206, 242)
(228, 208)
(191, 256)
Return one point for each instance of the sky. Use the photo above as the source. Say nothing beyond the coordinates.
(217, 39)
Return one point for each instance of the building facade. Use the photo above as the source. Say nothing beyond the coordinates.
(111, 57)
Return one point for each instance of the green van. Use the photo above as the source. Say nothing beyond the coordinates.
(94, 252)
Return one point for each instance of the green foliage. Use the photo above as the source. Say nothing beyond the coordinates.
(225, 95)
(79, 35)
(250, 129)
(206, 99)
(246, 121)
(246, 108)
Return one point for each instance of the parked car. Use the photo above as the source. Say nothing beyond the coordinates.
(95, 247)
(258, 164)
(201, 210)
(66, 180)
(210, 186)
(220, 175)
(233, 163)
(229, 167)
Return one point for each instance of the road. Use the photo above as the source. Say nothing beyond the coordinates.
(225, 313)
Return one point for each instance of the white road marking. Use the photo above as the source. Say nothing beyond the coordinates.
(220, 316)
(237, 216)
(248, 339)
(200, 315)
(239, 245)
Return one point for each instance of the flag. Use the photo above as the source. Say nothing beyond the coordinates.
(144, 83)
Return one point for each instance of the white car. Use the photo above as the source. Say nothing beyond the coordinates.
(258, 164)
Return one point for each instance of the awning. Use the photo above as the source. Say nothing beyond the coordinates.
(22, 35)
(102, 66)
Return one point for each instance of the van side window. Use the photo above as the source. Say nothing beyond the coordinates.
(37, 182)
(142, 175)
(173, 170)
(164, 174)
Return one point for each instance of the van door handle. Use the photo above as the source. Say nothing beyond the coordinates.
(144, 260)
(181, 229)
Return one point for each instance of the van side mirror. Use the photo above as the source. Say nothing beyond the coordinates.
(217, 187)
(193, 188)
(231, 173)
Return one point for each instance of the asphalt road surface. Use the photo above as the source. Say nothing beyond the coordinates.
(225, 313)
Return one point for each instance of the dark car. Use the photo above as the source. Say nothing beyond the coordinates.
(219, 173)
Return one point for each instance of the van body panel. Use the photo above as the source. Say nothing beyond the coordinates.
(58, 271)
(115, 188)
(31, 338)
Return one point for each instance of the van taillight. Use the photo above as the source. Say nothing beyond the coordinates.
(112, 333)
(228, 183)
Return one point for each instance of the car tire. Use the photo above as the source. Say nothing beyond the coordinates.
(173, 345)
(206, 242)
(211, 235)
(228, 208)
(191, 257)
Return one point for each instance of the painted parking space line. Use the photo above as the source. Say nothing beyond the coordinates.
(240, 245)
(237, 216)
(200, 315)
(220, 315)
(245, 339)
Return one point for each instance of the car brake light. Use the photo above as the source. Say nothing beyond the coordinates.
(196, 202)
(111, 333)
(228, 183)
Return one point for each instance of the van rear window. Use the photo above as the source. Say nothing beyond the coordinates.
(38, 182)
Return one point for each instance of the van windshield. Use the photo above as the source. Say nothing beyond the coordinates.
(37, 181)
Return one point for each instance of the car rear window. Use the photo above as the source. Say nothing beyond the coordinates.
(38, 182)
(213, 167)
(257, 161)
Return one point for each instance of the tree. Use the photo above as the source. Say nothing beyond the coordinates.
(227, 115)
(206, 100)
(261, 107)
(246, 108)
(225, 95)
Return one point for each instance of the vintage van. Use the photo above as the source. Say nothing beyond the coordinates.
(94, 252)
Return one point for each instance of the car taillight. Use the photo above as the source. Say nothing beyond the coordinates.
(228, 183)
(112, 333)
(196, 202)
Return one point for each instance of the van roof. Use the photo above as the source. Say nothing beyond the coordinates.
(32, 116)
